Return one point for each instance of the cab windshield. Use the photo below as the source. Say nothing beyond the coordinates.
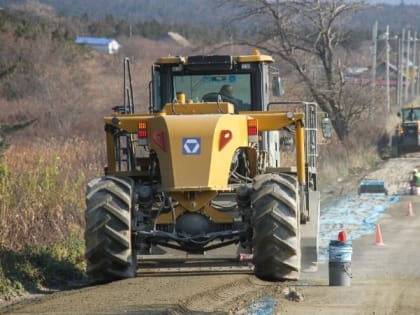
(411, 114)
(233, 88)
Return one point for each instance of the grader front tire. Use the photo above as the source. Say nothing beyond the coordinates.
(109, 252)
(276, 237)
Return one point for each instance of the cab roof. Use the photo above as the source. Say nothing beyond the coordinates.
(254, 57)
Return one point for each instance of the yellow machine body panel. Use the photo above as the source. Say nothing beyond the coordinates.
(199, 108)
(191, 155)
(186, 138)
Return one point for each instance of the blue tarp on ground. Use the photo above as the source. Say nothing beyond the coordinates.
(355, 214)
(264, 305)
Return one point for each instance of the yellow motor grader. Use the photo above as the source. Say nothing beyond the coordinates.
(201, 172)
(406, 138)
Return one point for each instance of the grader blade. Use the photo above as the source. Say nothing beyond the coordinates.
(193, 264)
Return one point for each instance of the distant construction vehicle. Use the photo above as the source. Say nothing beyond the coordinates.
(407, 133)
(201, 171)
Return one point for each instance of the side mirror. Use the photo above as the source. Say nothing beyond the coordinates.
(277, 86)
(399, 114)
(326, 126)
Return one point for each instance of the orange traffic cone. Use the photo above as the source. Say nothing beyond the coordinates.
(410, 209)
(378, 236)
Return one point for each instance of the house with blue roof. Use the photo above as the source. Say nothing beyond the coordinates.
(107, 45)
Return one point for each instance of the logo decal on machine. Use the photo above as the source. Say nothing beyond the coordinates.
(191, 146)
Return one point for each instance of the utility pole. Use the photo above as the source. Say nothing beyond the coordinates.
(407, 70)
(418, 82)
(415, 69)
(399, 74)
(373, 82)
(400, 69)
(387, 49)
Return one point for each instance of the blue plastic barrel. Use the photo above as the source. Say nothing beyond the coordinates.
(339, 265)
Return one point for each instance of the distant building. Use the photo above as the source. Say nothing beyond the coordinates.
(107, 45)
(393, 75)
(355, 73)
(362, 75)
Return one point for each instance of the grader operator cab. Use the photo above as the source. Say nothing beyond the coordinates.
(407, 133)
(201, 172)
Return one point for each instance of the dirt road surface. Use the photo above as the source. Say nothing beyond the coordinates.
(385, 278)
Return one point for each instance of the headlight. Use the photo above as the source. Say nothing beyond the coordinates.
(290, 115)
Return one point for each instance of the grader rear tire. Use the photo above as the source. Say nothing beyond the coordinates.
(109, 252)
(276, 237)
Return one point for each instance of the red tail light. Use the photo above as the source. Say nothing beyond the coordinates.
(252, 130)
(142, 133)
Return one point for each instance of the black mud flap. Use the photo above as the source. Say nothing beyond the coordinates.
(310, 234)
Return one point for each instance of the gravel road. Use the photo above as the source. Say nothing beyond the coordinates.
(385, 278)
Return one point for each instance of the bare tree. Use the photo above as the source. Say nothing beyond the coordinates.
(6, 130)
(304, 33)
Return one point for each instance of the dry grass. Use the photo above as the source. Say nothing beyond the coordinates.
(358, 153)
(42, 190)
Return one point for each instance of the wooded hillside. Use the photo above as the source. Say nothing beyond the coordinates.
(209, 13)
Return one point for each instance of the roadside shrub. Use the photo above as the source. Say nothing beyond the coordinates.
(42, 187)
(42, 268)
